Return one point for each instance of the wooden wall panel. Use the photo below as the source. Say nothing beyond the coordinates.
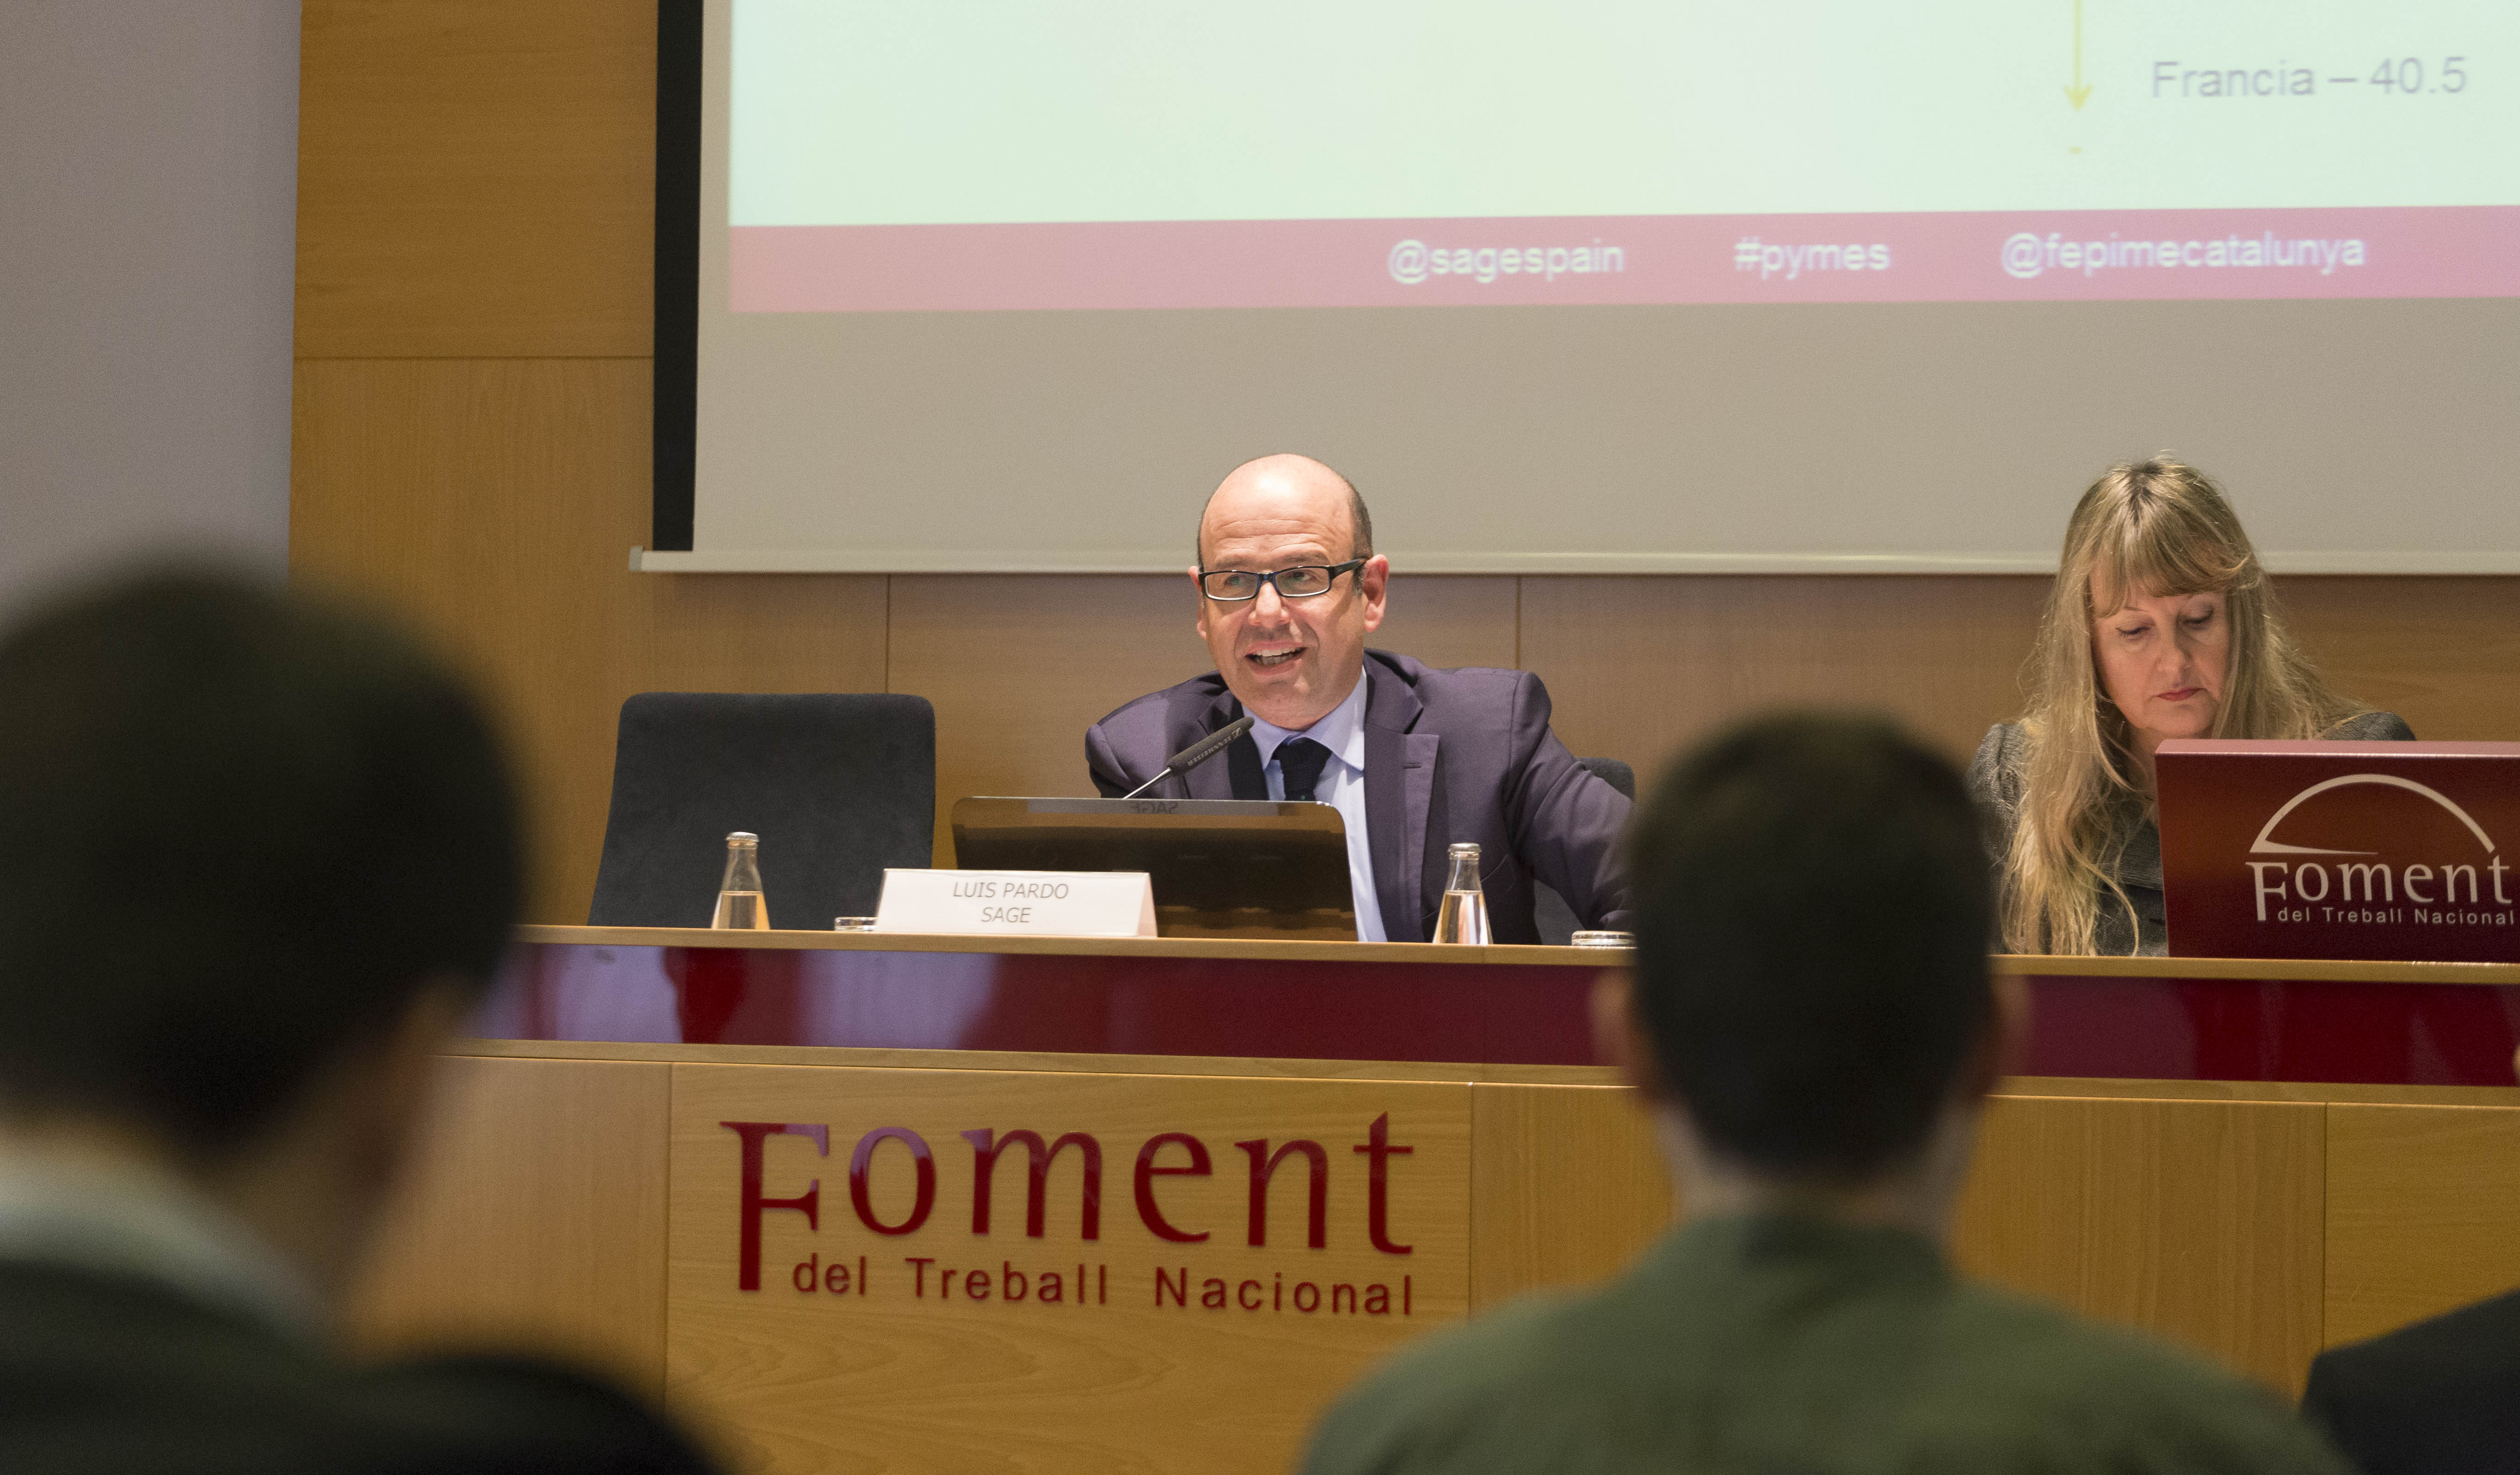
(485, 499)
(1018, 667)
(2441, 653)
(1640, 665)
(2423, 1213)
(535, 1219)
(1452, 620)
(1567, 1186)
(495, 502)
(2198, 1221)
(475, 178)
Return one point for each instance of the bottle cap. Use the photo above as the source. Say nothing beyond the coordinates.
(1466, 847)
(1603, 940)
(744, 838)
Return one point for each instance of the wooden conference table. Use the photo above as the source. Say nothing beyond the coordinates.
(739, 1169)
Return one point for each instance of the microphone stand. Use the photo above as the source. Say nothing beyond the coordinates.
(1191, 757)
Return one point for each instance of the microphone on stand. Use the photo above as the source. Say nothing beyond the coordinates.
(1197, 753)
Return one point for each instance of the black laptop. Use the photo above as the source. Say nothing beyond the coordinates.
(1220, 868)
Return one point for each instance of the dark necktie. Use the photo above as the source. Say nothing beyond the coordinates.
(1301, 760)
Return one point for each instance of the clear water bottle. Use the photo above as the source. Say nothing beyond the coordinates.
(739, 895)
(1464, 917)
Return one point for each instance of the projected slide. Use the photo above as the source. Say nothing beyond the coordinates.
(1113, 153)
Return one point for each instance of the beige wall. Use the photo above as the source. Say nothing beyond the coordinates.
(471, 430)
(148, 180)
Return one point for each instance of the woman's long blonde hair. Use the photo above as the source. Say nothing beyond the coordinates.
(2146, 527)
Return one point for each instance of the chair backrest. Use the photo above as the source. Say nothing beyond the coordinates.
(1549, 911)
(838, 788)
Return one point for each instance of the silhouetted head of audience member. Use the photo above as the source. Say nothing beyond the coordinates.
(1809, 1004)
(258, 854)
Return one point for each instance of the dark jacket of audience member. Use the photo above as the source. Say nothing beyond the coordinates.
(2439, 1398)
(257, 856)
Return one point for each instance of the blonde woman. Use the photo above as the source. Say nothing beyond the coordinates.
(2161, 625)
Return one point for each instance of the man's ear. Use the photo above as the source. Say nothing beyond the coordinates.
(1619, 1038)
(2004, 1046)
(1373, 581)
(403, 1071)
(1198, 593)
(313, 1184)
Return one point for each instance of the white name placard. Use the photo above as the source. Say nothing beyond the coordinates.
(1026, 903)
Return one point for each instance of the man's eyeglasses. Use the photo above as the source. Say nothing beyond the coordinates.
(1229, 586)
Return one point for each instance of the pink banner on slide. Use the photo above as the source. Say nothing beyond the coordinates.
(2076, 255)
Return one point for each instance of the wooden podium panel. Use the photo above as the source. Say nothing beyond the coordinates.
(537, 1211)
(2423, 1212)
(1173, 1305)
(1570, 1187)
(583, 1192)
(2198, 1221)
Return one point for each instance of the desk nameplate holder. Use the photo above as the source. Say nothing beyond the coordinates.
(1018, 903)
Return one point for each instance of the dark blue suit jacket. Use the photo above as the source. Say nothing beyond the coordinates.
(1450, 755)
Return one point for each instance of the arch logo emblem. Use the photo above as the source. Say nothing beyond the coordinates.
(2381, 851)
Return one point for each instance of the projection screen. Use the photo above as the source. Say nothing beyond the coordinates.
(1584, 286)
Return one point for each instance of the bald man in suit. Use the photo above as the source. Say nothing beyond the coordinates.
(1414, 758)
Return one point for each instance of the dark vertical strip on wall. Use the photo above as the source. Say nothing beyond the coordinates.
(678, 267)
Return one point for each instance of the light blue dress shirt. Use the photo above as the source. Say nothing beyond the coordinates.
(1341, 787)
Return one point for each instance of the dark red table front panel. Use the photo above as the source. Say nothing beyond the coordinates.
(1082, 1003)
(2229, 1029)
(1501, 1015)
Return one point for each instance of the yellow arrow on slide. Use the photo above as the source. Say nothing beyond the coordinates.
(2081, 91)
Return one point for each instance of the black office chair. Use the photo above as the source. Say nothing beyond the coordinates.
(838, 788)
(1549, 911)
